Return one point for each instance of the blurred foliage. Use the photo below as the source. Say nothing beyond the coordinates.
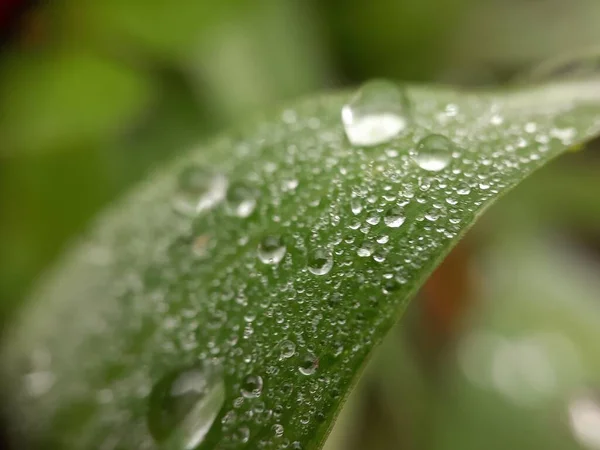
(93, 95)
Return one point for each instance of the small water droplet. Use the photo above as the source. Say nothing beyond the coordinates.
(394, 217)
(290, 185)
(241, 435)
(383, 239)
(463, 189)
(308, 364)
(365, 250)
(278, 429)
(320, 262)
(252, 386)
(376, 114)
(373, 220)
(356, 206)
(184, 405)
(271, 249)
(198, 189)
(496, 119)
(287, 349)
(240, 200)
(434, 152)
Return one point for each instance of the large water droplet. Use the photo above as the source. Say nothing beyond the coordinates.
(271, 249)
(320, 262)
(198, 189)
(394, 217)
(376, 114)
(241, 200)
(252, 386)
(184, 405)
(434, 152)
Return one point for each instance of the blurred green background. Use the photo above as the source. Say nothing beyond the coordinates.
(499, 350)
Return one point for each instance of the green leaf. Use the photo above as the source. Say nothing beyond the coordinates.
(232, 314)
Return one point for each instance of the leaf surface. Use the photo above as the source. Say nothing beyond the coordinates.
(258, 305)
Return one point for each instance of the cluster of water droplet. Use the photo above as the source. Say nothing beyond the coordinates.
(235, 309)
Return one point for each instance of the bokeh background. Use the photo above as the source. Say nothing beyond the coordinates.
(501, 349)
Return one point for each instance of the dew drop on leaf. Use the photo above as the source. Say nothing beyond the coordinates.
(463, 189)
(278, 429)
(240, 200)
(320, 262)
(376, 114)
(394, 217)
(356, 206)
(184, 404)
(434, 152)
(241, 435)
(198, 189)
(252, 386)
(287, 349)
(271, 249)
(308, 364)
(365, 250)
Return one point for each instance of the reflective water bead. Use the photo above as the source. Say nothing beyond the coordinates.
(240, 200)
(184, 404)
(320, 261)
(376, 114)
(394, 217)
(271, 249)
(287, 349)
(434, 152)
(198, 189)
(252, 386)
(308, 364)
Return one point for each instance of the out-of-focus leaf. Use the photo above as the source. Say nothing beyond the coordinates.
(531, 355)
(61, 100)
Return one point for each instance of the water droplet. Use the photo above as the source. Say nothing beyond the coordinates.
(383, 239)
(376, 114)
(356, 206)
(308, 364)
(252, 386)
(271, 249)
(278, 429)
(365, 250)
(434, 152)
(394, 217)
(241, 435)
(240, 200)
(198, 189)
(373, 220)
(287, 349)
(184, 405)
(320, 262)
(290, 185)
(463, 189)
